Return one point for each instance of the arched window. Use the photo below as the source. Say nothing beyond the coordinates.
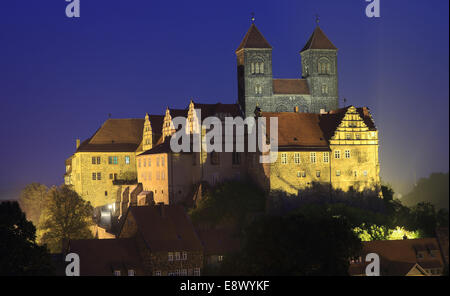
(324, 66)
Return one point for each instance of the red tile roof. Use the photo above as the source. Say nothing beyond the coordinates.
(253, 39)
(318, 40)
(298, 130)
(290, 86)
(103, 256)
(166, 228)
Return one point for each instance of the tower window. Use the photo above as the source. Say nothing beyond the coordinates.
(257, 67)
(324, 89)
(258, 89)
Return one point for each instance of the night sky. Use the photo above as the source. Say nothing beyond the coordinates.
(61, 77)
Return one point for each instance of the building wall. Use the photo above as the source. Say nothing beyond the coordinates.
(100, 192)
(153, 174)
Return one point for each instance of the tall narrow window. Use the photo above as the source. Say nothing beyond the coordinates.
(93, 160)
(337, 154)
(297, 158)
(99, 176)
(283, 158)
(127, 159)
(347, 153)
(313, 157)
(318, 174)
(94, 176)
(326, 157)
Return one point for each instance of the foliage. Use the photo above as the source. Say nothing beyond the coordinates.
(67, 216)
(229, 202)
(33, 200)
(294, 245)
(20, 255)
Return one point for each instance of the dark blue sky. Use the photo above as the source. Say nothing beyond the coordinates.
(60, 77)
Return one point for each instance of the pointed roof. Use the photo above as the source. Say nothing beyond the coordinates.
(318, 40)
(253, 39)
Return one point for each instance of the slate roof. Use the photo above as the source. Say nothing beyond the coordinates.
(318, 40)
(253, 39)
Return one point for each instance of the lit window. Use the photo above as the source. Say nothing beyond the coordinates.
(220, 258)
(358, 136)
(348, 136)
(337, 154)
(324, 89)
(131, 272)
(313, 157)
(163, 175)
(338, 173)
(318, 174)
(303, 174)
(158, 273)
(347, 153)
(326, 157)
(110, 176)
(365, 173)
(297, 158)
(170, 256)
(184, 256)
(283, 158)
(117, 272)
(127, 160)
(177, 256)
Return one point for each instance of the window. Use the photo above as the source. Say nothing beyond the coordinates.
(112, 160)
(358, 136)
(106, 193)
(220, 258)
(163, 161)
(365, 173)
(318, 174)
(297, 158)
(111, 176)
(338, 173)
(94, 176)
(324, 67)
(324, 89)
(355, 173)
(303, 174)
(347, 153)
(163, 175)
(177, 256)
(283, 158)
(115, 176)
(149, 162)
(116, 272)
(149, 176)
(313, 157)
(158, 273)
(326, 157)
(157, 175)
(184, 272)
(184, 257)
(299, 174)
(170, 257)
(131, 272)
(337, 154)
(99, 176)
(157, 161)
(258, 89)
(127, 160)
(257, 68)
(348, 136)
(93, 160)
(196, 271)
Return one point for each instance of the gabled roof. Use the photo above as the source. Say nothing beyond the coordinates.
(253, 39)
(156, 122)
(165, 228)
(290, 86)
(298, 130)
(318, 40)
(103, 256)
(115, 135)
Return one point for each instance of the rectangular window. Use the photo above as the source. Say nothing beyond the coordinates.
(94, 160)
(157, 175)
(347, 153)
(326, 157)
(196, 271)
(299, 174)
(318, 174)
(338, 173)
(131, 272)
(150, 176)
(163, 175)
(303, 174)
(110, 159)
(98, 160)
(297, 158)
(116, 272)
(111, 176)
(115, 176)
(220, 258)
(127, 160)
(313, 157)
(337, 154)
(163, 159)
(177, 256)
(358, 136)
(365, 173)
(348, 136)
(158, 273)
(283, 158)
(184, 256)
(99, 176)
(94, 176)
(355, 173)
(170, 256)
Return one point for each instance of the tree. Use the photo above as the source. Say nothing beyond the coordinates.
(20, 255)
(294, 245)
(67, 216)
(33, 200)
(424, 218)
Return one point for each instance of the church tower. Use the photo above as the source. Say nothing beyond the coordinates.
(254, 70)
(319, 68)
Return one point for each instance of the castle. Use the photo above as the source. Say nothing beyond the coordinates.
(129, 161)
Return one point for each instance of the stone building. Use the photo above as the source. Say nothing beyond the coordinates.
(316, 90)
(153, 240)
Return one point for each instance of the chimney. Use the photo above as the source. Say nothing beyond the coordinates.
(161, 209)
(296, 109)
(78, 143)
(322, 111)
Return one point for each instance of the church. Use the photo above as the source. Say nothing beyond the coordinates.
(129, 162)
